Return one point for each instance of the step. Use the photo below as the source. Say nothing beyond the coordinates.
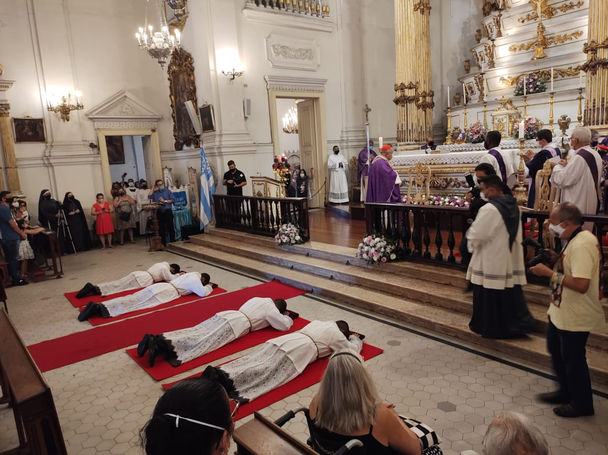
(422, 271)
(425, 292)
(441, 321)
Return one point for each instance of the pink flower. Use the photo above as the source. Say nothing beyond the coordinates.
(383, 259)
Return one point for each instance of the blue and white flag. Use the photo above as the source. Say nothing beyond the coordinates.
(207, 190)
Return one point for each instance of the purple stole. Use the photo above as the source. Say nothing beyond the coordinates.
(501, 164)
(554, 151)
(592, 165)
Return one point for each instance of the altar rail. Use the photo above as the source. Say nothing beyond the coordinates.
(433, 234)
(260, 215)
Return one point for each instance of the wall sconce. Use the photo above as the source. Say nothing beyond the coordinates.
(229, 64)
(64, 103)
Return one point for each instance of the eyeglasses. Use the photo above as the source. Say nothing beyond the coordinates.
(236, 407)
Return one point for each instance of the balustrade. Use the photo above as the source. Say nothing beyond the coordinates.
(317, 8)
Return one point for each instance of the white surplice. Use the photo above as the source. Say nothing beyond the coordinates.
(226, 326)
(494, 265)
(160, 271)
(281, 359)
(142, 197)
(510, 170)
(158, 293)
(338, 183)
(576, 182)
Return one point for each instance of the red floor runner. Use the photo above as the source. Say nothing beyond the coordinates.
(75, 347)
(79, 303)
(310, 376)
(162, 370)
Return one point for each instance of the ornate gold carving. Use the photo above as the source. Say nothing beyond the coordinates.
(5, 109)
(504, 116)
(182, 87)
(543, 74)
(564, 123)
(593, 63)
(1, 70)
(423, 7)
(419, 177)
(489, 51)
(555, 39)
(548, 11)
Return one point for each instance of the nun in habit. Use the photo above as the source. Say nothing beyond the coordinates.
(77, 223)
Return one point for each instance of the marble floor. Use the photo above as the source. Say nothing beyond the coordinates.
(103, 402)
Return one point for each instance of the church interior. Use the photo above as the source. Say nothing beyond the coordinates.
(267, 123)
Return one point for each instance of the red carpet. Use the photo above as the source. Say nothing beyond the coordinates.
(98, 320)
(79, 303)
(310, 376)
(162, 370)
(79, 346)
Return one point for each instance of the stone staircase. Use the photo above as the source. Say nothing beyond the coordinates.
(426, 297)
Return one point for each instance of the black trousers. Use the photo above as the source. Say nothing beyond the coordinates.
(165, 225)
(567, 351)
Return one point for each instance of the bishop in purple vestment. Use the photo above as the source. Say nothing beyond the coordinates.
(382, 183)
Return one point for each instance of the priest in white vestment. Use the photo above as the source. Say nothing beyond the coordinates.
(579, 177)
(180, 346)
(151, 296)
(161, 271)
(338, 183)
(500, 161)
(497, 270)
(281, 359)
(142, 197)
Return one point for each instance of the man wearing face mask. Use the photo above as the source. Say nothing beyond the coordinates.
(537, 160)
(595, 139)
(338, 184)
(575, 310)
(164, 197)
(497, 268)
(430, 145)
(11, 237)
(499, 161)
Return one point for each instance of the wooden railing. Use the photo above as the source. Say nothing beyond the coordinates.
(260, 215)
(433, 233)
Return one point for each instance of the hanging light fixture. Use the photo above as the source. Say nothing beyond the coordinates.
(290, 121)
(160, 44)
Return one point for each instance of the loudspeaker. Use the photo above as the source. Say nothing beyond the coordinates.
(247, 107)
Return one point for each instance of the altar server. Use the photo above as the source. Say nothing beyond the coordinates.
(338, 183)
(579, 177)
(161, 271)
(151, 296)
(497, 268)
(500, 161)
(183, 345)
(363, 162)
(547, 151)
(281, 359)
(383, 182)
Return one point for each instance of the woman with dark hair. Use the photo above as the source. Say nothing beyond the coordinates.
(48, 211)
(192, 417)
(103, 220)
(77, 223)
(302, 184)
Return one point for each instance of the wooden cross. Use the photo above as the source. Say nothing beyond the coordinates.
(367, 110)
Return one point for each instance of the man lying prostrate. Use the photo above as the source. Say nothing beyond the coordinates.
(183, 345)
(151, 296)
(162, 271)
(279, 360)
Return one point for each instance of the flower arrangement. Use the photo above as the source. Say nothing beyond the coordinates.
(442, 201)
(475, 133)
(377, 248)
(280, 164)
(532, 127)
(534, 84)
(289, 234)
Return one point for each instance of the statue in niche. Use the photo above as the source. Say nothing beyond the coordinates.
(182, 88)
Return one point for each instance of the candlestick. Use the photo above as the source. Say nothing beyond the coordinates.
(579, 117)
(525, 88)
(466, 123)
(448, 96)
(485, 114)
(448, 138)
(539, 10)
(522, 130)
(551, 101)
(464, 93)
(551, 78)
(525, 105)
(521, 192)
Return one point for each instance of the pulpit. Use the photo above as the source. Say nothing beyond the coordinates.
(155, 242)
(267, 187)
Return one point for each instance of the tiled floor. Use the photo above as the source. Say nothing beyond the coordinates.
(103, 402)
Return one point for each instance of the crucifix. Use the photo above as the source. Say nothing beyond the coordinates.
(363, 184)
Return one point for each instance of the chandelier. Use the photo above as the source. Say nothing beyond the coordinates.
(290, 121)
(64, 101)
(160, 44)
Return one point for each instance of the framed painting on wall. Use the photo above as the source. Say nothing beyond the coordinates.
(207, 117)
(28, 129)
(182, 88)
(116, 150)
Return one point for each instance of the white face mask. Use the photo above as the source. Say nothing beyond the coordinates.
(302, 176)
(483, 196)
(556, 230)
(16, 204)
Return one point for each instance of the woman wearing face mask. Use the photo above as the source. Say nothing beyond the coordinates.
(25, 249)
(101, 210)
(48, 211)
(77, 222)
(125, 215)
(142, 197)
(302, 184)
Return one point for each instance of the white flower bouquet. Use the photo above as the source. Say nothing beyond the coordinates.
(289, 234)
(375, 249)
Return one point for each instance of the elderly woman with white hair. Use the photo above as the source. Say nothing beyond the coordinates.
(347, 406)
(514, 434)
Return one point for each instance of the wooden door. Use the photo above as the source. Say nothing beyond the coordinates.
(307, 137)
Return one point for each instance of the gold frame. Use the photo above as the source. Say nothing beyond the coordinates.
(182, 88)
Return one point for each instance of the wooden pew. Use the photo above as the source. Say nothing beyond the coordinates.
(261, 436)
(29, 396)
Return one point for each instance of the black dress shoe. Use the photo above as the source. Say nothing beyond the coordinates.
(92, 309)
(20, 282)
(567, 410)
(142, 347)
(87, 289)
(556, 397)
(153, 347)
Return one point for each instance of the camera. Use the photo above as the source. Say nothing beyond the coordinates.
(475, 191)
(542, 256)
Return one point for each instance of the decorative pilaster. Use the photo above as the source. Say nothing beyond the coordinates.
(413, 93)
(8, 142)
(596, 67)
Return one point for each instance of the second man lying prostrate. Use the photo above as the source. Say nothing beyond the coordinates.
(161, 271)
(183, 345)
(151, 296)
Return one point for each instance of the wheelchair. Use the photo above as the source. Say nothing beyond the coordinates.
(323, 444)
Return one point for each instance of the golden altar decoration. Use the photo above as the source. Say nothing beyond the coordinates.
(267, 187)
(504, 116)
